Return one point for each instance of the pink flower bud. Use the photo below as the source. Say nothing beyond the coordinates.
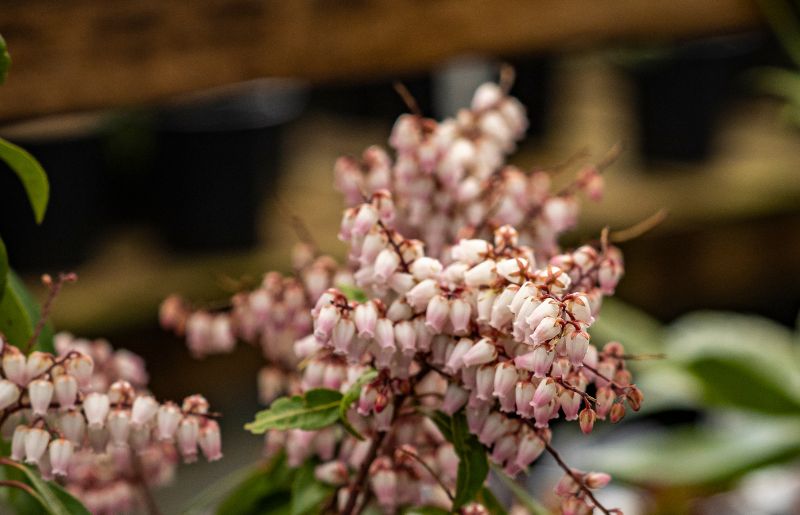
(577, 343)
(482, 274)
(570, 403)
(333, 473)
(144, 409)
(505, 380)
(549, 308)
(454, 398)
(545, 393)
(587, 418)
(581, 309)
(609, 275)
(40, 392)
(561, 213)
(425, 268)
(188, 432)
(424, 335)
(566, 486)
(530, 448)
(512, 270)
(617, 413)
(81, 367)
(523, 396)
(14, 366)
(385, 265)
(334, 375)
(383, 419)
(384, 485)
(36, 441)
(406, 337)
(420, 295)
(342, 336)
(365, 220)
(384, 333)
(66, 390)
(605, 399)
(168, 418)
(548, 329)
(505, 448)
(635, 398)
(484, 351)
(374, 243)
(96, 406)
(487, 96)
(325, 322)
(120, 392)
(18, 442)
(484, 382)
(437, 313)
(366, 317)
(493, 428)
(9, 393)
(485, 302)
(501, 312)
(38, 363)
(543, 414)
(210, 440)
(456, 359)
(526, 290)
(73, 426)
(60, 456)
(539, 361)
(119, 426)
(460, 311)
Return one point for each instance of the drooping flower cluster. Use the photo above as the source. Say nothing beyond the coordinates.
(471, 308)
(84, 415)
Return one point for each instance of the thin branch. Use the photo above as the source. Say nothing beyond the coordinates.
(363, 471)
(606, 378)
(408, 98)
(586, 397)
(639, 228)
(578, 480)
(429, 469)
(55, 288)
(394, 245)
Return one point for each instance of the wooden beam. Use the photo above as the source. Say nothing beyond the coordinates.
(83, 54)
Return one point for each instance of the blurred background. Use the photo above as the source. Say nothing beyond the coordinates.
(181, 139)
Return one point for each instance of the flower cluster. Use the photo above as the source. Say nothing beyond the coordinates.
(85, 416)
(471, 309)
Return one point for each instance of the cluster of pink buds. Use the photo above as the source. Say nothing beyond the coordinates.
(471, 309)
(84, 415)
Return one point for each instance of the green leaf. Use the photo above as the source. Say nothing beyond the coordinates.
(19, 315)
(522, 496)
(472, 464)
(54, 502)
(266, 490)
(3, 269)
(425, 510)
(353, 292)
(5, 60)
(487, 498)
(351, 396)
(714, 454)
(316, 409)
(216, 491)
(32, 175)
(308, 494)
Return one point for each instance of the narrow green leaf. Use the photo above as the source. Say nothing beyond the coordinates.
(19, 314)
(32, 175)
(316, 409)
(308, 494)
(351, 396)
(73, 505)
(266, 490)
(3, 269)
(533, 506)
(5, 60)
(50, 499)
(425, 510)
(489, 501)
(353, 292)
(473, 466)
(219, 489)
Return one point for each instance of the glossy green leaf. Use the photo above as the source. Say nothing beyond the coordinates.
(308, 494)
(5, 60)
(3, 269)
(32, 175)
(73, 505)
(473, 466)
(54, 499)
(709, 455)
(489, 501)
(19, 314)
(315, 409)
(353, 293)
(351, 396)
(522, 496)
(266, 490)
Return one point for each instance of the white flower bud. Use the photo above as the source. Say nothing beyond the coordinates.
(144, 409)
(96, 406)
(36, 441)
(40, 392)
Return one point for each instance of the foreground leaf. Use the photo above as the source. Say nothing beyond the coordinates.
(708, 455)
(315, 409)
(353, 293)
(32, 175)
(55, 499)
(308, 494)
(489, 501)
(219, 489)
(19, 314)
(351, 396)
(266, 490)
(472, 464)
(522, 496)
(5, 60)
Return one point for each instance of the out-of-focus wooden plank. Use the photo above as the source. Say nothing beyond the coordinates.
(81, 54)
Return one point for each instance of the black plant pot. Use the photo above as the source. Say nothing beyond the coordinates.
(680, 95)
(70, 148)
(216, 155)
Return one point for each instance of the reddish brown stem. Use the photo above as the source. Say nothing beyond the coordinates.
(55, 288)
(577, 478)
